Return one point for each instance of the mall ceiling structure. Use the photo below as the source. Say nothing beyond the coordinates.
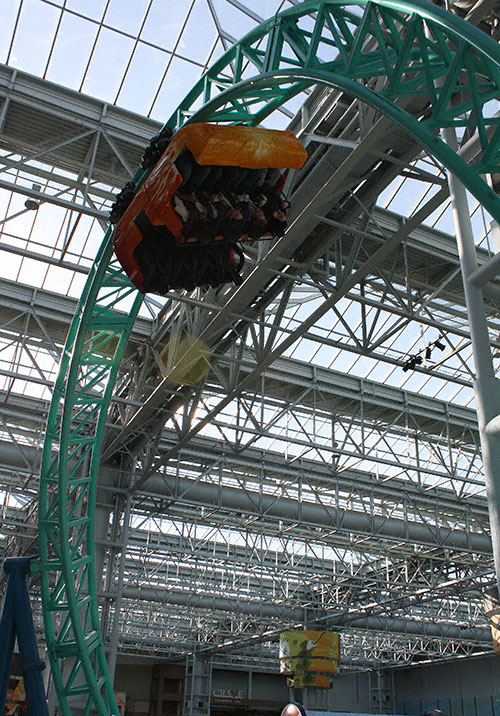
(324, 468)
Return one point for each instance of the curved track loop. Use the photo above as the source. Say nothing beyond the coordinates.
(394, 56)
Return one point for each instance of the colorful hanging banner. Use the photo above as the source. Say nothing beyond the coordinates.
(310, 657)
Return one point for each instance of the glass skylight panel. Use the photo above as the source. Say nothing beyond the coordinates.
(34, 34)
(10, 263)
(91, 8)
(139, 88)
(181, 76)
(193, 43)
(107, 65)
(265, 8)
(9, 11)
(76, 36)
(127, 16)
(234, 21)
(163, 28)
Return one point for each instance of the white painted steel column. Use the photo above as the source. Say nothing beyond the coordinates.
(486, 386)
(115, 630)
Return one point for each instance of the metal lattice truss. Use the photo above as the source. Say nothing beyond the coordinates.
(306, 478)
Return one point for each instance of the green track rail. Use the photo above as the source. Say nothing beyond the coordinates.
(412, 50)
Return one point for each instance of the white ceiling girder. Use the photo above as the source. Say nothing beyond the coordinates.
(49, 111)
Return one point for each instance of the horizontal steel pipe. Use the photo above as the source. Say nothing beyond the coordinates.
(185, 491)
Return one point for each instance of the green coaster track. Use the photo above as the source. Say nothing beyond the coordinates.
(387, 54)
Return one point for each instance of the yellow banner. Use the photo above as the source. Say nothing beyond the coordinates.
(310, 657)
(321, 681)
(303, 664)
(308, 643)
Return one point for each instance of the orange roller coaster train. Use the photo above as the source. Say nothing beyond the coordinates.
(211, 186)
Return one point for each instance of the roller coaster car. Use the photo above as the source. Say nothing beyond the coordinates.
(212, 187)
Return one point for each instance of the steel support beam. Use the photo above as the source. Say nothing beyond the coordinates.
(486, 385)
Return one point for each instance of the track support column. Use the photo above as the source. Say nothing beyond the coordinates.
(486, 385)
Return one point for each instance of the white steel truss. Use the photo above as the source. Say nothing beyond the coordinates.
(308, 478)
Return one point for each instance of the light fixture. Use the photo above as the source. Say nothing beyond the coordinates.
(30, 203)
(412, 362)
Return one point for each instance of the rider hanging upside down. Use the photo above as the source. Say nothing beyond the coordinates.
(210, 187)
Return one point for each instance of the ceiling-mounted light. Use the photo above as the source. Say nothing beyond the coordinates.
(30, 203)
(412, 362)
